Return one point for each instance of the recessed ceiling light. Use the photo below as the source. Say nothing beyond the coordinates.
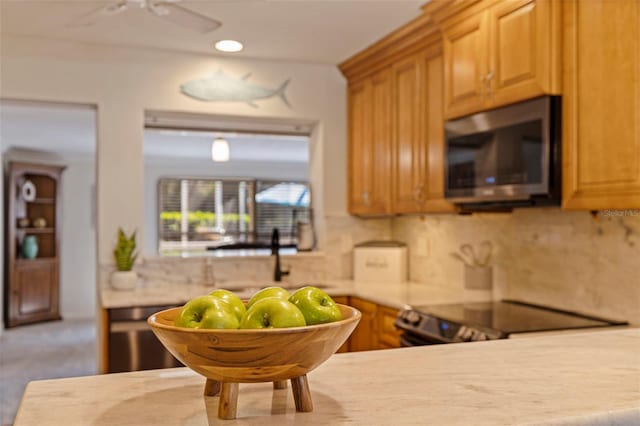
(229, 46)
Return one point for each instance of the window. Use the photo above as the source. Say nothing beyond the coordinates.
(201, 213)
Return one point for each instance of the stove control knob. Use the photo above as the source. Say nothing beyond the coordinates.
(412, 317)
(470, 335)
(480, 336)
(464, 334)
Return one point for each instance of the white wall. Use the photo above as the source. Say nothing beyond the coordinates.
(78, 241)
(155, 170)
(2, 245)
(123, 83)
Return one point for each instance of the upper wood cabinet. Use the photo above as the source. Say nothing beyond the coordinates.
(418, 135)
(396, 127)
(601, 105)
(409, 144)
(466, 65)
(370, 144)
(502, 54)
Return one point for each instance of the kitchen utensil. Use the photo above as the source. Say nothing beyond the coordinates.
(460, 257)
(484, 253)
(469, 254)
(227, 357)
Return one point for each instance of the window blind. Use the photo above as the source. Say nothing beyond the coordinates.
(200, 213)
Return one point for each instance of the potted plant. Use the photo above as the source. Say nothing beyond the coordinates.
(124, 278)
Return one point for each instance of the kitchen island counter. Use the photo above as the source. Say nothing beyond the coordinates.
(589, 378)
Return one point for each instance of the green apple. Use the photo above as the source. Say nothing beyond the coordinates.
(207, 312)
(316, 305)
(269, 292)
(236, 303)
(272, 312)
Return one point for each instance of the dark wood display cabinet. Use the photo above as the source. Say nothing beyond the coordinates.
(32, 234)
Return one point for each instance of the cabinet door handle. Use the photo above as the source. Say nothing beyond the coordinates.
(365, 198)
(483, 86)
(418, 194)
(488, 80)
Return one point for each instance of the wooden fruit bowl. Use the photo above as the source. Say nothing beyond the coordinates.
(228, 357)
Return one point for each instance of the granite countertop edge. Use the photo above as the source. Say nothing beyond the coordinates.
(393, 294)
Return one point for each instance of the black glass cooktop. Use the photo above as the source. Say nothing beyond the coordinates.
(511, 316)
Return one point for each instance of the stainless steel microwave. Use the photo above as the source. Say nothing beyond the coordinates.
(507, 157)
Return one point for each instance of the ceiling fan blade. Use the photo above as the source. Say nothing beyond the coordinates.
(102, 12)
(179, 15)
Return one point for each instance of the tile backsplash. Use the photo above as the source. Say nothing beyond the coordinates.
(570, 260)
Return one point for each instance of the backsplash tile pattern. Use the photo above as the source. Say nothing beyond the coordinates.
(542, 255)
(210, 271)
(570, 260)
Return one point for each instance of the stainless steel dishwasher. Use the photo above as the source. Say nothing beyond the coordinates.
(132, 344)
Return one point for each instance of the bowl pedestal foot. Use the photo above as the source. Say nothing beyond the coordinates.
(280, 384)
(228, 391)
(228, 401)
(301, 394)
(211, 388)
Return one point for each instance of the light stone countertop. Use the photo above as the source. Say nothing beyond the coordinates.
(574, 379)
(394, 295)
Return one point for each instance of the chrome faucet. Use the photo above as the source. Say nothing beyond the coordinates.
(275, 250)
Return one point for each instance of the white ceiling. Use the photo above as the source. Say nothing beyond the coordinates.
(70, 131)
(323, 31)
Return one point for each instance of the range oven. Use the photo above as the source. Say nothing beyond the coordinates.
(471, 322)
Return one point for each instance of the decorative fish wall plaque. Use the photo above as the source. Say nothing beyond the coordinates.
(219, 87)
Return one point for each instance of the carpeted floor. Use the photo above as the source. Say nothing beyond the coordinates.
(43, 351)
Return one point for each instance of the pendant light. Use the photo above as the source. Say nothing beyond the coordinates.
(220, 150)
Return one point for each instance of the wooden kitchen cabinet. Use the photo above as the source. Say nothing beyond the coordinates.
(409, 144)
(388, 334)
(32, 285)
(434, 201)
(365, 336)
(376, 329)
(343, 300)
(501, 54)
(370, 145)
(601, 105)
(418, 142)
(466, 57)
(396, 127)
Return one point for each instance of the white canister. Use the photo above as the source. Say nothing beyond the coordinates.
(305, 236)
(380, 262)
